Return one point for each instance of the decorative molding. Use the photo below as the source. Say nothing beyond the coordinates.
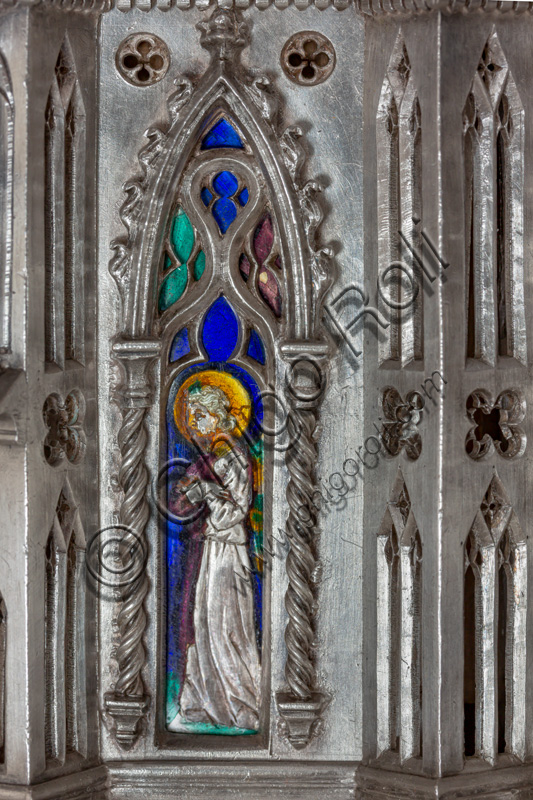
(87, 784)
(380, 8)
(226, 5)
(82, 6)
(128, 702)
(296, 206)
(226, 780)
(513, 783)
(372, 8)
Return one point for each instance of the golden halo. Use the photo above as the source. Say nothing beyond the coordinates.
(240, 403)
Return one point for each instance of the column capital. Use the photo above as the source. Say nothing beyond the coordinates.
(136, 358)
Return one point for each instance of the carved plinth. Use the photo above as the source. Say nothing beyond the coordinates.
(127, 713)
(300, 717)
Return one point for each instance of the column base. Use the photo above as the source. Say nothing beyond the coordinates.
(128, 714)
(300, 718)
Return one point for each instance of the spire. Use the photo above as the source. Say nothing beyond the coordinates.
(224, 34)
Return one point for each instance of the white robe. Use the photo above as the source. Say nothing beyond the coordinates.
(222, 675)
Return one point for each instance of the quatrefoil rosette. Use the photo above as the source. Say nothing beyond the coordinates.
(64, 419)
(496, 424)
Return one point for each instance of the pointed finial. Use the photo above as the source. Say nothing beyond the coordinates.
(224, 34)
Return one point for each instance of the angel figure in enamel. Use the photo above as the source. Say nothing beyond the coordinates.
(218, 687)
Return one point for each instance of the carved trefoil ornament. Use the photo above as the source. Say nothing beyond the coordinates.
(220, 188)
(497, 424)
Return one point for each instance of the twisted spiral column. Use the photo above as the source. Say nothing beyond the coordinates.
(301, 561)
(134, 513)
(128, 702)
(300, 705)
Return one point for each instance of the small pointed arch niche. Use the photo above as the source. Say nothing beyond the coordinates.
(64, 633)
(398, 597)
(220, 318)
(494, 151)
(65, 158)
(399, 201)
(495, 608)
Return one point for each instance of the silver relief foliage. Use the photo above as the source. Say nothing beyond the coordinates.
(135, 189)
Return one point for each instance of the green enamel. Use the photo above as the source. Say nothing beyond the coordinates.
(199, 265)
(182, 236)
(173, 690)
(172, 287)
(167, 262)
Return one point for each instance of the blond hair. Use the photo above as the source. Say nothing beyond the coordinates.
(216, 402)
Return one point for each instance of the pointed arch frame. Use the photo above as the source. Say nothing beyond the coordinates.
(302, 344)
(158, 194)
